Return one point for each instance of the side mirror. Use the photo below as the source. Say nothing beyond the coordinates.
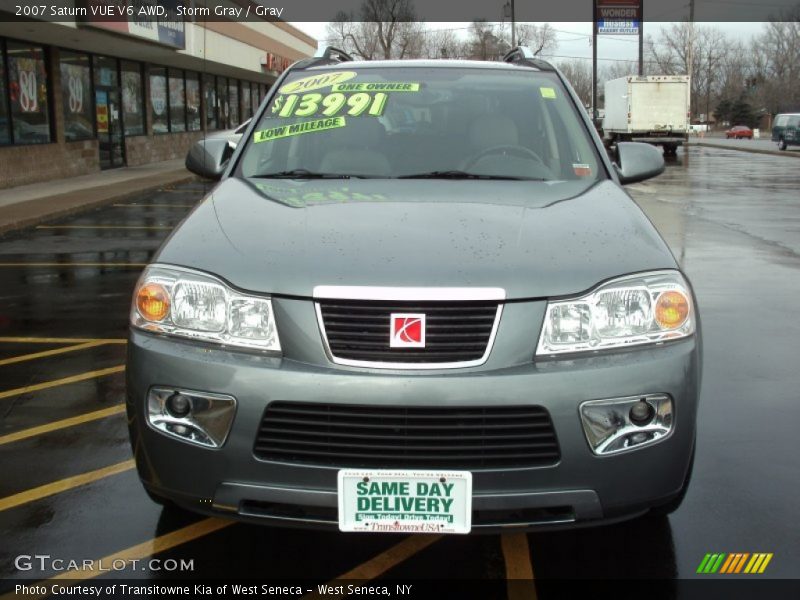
(209, 158)
(638, 161)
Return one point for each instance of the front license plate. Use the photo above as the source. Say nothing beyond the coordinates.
(405, 501)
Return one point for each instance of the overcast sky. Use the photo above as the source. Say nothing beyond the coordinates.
(574, 39)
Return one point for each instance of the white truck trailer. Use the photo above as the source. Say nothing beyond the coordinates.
(653, 109)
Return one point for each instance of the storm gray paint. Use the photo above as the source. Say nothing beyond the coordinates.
(209, 157)
(620, 482)
(481, 233)
(638, 161)
(535, 240)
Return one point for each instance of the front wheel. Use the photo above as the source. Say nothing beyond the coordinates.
(782, 144)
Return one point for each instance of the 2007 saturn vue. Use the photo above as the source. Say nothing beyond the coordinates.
(418, 300)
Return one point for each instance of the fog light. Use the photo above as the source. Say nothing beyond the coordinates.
(200, 418)
(178, 405)
(621, 424)
(641, 413)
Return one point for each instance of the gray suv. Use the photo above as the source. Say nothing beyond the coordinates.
(419, 300)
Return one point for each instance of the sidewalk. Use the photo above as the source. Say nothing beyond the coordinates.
(28, 205)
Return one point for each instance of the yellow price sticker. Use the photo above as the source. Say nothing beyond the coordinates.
(364, 86)
(548, 92)
(267, 135)
(316, 82)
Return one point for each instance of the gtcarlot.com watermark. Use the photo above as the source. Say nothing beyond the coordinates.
(46, 562)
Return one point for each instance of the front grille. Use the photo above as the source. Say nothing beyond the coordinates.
(456, 332)
(407, 437)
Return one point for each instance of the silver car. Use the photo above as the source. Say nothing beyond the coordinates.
(419, 300)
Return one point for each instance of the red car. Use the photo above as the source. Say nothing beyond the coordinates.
(739, 132)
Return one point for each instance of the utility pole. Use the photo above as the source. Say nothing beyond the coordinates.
(641, 38)
(514, 27)
(594, 61)
(690, 52)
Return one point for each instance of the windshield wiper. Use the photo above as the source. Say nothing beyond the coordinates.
(456, 174)
(306, 174)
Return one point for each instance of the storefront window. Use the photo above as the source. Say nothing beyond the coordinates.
(132, 113)
(27, 86)
(254, 96)
(177, 101)
(158, 100)
(222, 102)
(5, 135)
(210, 94)
(233, 116)
(247, 110)
(76, 93)
(193, 101)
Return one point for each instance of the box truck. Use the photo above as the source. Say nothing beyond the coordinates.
(653, 109)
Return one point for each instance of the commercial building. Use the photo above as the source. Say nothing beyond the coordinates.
(92, 93)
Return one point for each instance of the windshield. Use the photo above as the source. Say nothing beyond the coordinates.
(421, 122)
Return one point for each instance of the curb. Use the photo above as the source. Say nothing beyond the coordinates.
(62, 205)
(752, 150)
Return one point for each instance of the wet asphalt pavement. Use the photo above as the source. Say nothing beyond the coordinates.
(68, 488)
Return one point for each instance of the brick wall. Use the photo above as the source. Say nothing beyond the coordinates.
(143, 149)
(20, 165)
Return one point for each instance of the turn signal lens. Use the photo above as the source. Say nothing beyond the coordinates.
(152, 301)
(672, 309)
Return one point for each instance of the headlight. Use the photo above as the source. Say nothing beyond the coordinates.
(641, 309)
(186, 303)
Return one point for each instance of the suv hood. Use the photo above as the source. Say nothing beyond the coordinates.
(533, 239)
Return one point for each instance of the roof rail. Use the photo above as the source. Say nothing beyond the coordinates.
(324, 56)
(333, 54)
(523, 55)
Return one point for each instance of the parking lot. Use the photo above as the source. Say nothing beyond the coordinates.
(70, 489)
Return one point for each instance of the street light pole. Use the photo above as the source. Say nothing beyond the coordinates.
(513, 27)
(594, 61)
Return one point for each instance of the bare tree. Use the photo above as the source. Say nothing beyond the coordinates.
(484, 43)
(443, 44)
(775, 77)
(579, 74)
(540, 38)
(383, 29)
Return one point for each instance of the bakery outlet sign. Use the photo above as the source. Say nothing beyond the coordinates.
(618, 17)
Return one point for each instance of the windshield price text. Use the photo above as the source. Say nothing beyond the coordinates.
(329, 105)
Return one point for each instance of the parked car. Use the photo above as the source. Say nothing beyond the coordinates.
(786, 130)
(739, 132)
(463, 323)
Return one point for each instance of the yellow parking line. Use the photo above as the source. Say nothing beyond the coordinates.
(519, 571)
(134, 205)
(54, 340)
(57, 382)
(53, 352)
(43, 491)
(72, 264)
(140, 551)
(62, 424)
(149, 548)
(381, 563)
(155, 227)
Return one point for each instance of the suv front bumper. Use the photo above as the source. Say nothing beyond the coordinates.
(581, 488)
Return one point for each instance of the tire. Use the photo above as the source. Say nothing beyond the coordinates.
(670, 506)
(782, 144)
